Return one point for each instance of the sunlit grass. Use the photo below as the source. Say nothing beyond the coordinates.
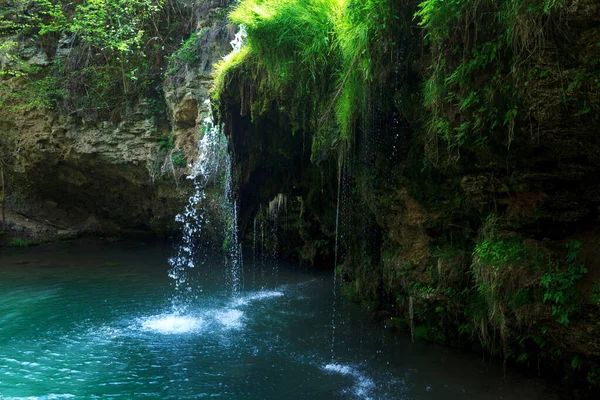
(314, 58)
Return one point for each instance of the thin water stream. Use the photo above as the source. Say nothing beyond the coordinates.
(94, 320)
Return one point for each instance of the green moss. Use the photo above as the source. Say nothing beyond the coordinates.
(314, 59)
(20, 243)
(481, 64)
(224, 69)
(400, 324)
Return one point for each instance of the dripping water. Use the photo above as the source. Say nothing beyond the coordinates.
(262, 254)
(337, 221)
(254, 252)
(274, 210)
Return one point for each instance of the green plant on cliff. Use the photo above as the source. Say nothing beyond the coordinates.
(113, 52)
(20, 243)
(505, 273)
(480, 64)
(561, 284)
(117, 28)
(314, 59)
(168, 157)
(187, 54)
(500, 252)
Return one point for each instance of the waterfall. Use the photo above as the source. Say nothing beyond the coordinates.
(212, 167)
(212, 159)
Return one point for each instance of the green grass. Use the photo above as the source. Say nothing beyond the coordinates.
(314, 59)
(20, 243)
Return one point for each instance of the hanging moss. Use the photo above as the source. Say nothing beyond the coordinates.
(484, 57)
(314, 59)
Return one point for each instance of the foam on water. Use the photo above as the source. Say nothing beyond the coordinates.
(231, 319)
(173, 324)
(338, 368)
(263, 294)
(227, 317)
(363, 385)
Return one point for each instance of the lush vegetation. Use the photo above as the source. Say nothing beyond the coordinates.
(94, 57)
(314, 59)
(486, 57)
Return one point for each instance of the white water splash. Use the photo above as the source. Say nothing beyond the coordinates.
(168, 324)
(227, 317)
(363, 385)
(264, 294)
(231, 319)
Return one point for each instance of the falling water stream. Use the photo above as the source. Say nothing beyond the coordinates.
(213, 162)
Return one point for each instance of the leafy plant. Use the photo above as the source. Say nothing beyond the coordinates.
(595, 297)
(499, 252)
(119, 53)
(593, 377)
(480, 52)
(179, 159)
(560, 284)
(19, 243)
(187, 54)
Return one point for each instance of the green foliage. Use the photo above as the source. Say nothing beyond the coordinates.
(561, 284)
(404, 269)
(576, 362)
(118, 29)
(119, 53)
(400, 324)
(504, 271)
(430, 331)
(20, 243)
(169, 154)
(179, 159)
(166, 143)
(187, 54)
(500, 252)
(314, 58)
(593, 377)
(38, 91)
(350, 292)
(595, 296)
(480, 54)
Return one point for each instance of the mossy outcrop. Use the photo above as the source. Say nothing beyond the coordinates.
(106, 171)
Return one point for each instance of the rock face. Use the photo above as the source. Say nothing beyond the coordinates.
(74, 172)
(110, 177)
